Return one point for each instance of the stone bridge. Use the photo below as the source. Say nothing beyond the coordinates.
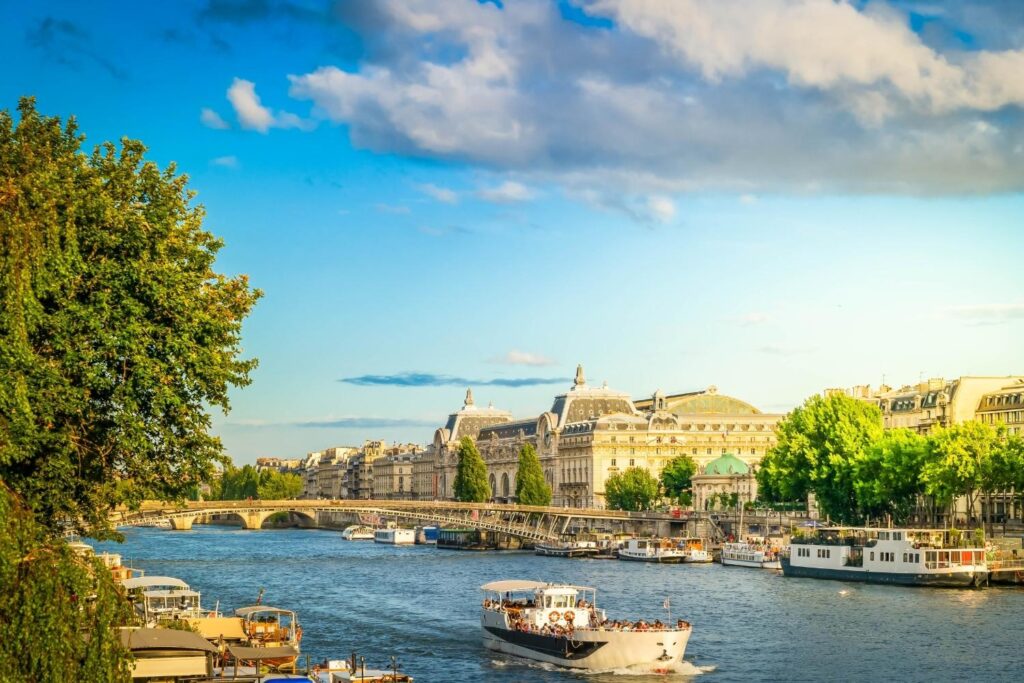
(527, 523)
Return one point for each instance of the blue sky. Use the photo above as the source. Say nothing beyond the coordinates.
(770, 197)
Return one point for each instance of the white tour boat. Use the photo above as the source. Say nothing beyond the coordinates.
(562, 625)
(695, 550)
(911, 557)
(395, 536)
(758, 555)
(651, 550)
(567, 549)
(357, 532)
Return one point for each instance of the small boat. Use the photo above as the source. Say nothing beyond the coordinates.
(909, 557)
(395, 536)
(273, 630)
(657, 550)
(758, 555)
(567, 549)
(695, 550)
(357, 532)
(561, 624)
(164, 598)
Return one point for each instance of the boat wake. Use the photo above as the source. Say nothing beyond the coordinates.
(683, 671)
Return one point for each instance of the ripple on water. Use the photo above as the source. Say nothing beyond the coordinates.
(421, 604)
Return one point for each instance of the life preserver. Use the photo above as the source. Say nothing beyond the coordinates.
(554, 616)
(569, 615)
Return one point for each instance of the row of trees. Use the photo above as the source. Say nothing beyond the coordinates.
(836, 448)
(471, 483)
(635, 488)
(248, 482)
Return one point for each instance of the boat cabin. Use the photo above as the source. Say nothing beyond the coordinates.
(888, 550)
(163, 597)
(269, 625)
(539, 605)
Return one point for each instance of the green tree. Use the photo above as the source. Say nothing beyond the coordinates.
(888, 478)
(633, 489)
(116, 332)
(819, 445)
(962, 462)
(276, 485)
(676, 476)
(531, 487)
(1008, 466)
(470, 483)
(59, 612)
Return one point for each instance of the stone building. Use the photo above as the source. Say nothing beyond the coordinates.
(932, 403)
(1004, 406)
(424, 479)
(445, 446)
(393, 473)
(593, 432)
(725, 478)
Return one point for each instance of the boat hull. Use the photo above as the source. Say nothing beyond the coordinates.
(594, 650)
(655, 559)
(959, 579)
(755, 564)
(564, 552)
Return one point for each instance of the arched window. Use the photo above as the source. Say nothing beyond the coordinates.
(494, 487)
(504, 485)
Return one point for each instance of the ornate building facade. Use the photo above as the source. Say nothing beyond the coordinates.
(591, 433)
(466, 422)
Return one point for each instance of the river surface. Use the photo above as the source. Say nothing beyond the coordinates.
(422, 605)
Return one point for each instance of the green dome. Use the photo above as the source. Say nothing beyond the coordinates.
(727, 464)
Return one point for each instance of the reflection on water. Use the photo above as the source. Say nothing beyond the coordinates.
(421, 604)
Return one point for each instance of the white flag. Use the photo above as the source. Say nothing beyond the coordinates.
(666, 604)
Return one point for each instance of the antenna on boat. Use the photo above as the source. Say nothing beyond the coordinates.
(259, 598)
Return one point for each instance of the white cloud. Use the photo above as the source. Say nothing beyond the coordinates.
(754, 318)
(508, 192)
(391, 208)
(737, 95)
(441, 194)
(230, 161)
(748, 199)
(823, 44)
(987, 314)
(662, 209)
(212, 119)
(515, 357)
(251, 113)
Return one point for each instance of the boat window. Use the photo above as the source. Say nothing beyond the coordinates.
(883, 535)
(872, 558)
(547, 601)
(897, 536)
(904, 557)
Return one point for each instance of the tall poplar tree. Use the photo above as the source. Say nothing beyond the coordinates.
(471, 484)
(116, 333)
(531, 487)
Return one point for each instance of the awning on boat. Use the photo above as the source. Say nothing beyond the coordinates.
(246, 611)
(164, 639)
(258, 653)
(512, 585)
(150, 581)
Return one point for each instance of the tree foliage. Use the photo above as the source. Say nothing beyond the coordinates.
(819, 446)
(888, 477)
(962, 462)
(676, 476)
(471, 485)
(633, 489)
(116, 332)
(247, 482)
(531, 486)
(58, 612)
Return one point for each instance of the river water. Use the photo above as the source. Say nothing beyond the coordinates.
(422, 605)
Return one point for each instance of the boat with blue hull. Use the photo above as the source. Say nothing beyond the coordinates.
(907, 557)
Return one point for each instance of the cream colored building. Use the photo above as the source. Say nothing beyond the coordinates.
(1005, 406)
(393, 476)
(724, 478)
(593, 432)
(932, 403)
(466, 422)
(424, 480)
